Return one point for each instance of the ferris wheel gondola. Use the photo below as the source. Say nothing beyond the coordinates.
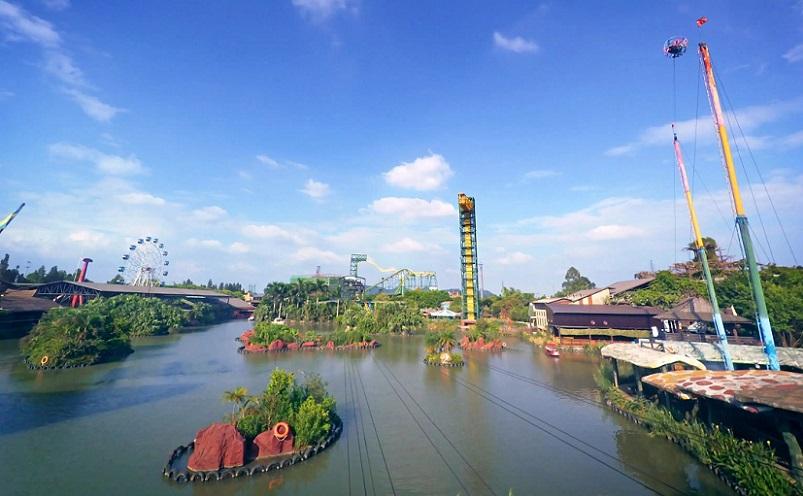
(145, 263)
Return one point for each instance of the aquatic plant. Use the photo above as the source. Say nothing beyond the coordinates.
(751, 465)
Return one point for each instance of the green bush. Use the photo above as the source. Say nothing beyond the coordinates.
(75, 336)
(307, 407)
(267, 332)
(311, 422)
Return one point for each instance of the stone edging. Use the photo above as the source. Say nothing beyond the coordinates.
(186, 475)
(724, 477)
(441, 364)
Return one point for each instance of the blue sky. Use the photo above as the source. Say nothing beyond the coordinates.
(261, 139)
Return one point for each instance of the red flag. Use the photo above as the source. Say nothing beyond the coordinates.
(701, 21)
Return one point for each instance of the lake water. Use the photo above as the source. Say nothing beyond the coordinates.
(516, 420)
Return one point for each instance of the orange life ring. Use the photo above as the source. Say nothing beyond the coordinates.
(281, 430)
(44, 360)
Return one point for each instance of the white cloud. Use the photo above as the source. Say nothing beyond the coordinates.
(87, 238)
(209, 214)
(270, 231)
(404, 245)
(237, 247)
(514, 258)
(795, 54)
(313, 254)
(749, 118)
(517, 44)
(19, 25)
(614, 231)
(104, 163)
(423, 174)
(204, 243)
(320, 10)
(6, 94)
(140, 198)
(92, 106)
(412, 208)
(315, 189)
(793, 140)
(541, 174)
(273, 164)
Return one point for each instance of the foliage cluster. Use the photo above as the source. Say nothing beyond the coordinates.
(783, 289)
(40, 275)
(440, 341)
(751, 465)
(511, 304)
(102, 329)
(307, 407)
(74, 337)
(435, 358)
(574, 282)
(486, 329)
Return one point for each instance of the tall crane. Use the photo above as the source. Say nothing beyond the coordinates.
(468, 257)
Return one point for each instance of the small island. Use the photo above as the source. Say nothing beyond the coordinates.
(274, 337)
(439, 346)
(287, 423)
(483, 336)
(101, 330)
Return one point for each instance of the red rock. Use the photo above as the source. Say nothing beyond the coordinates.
(217, 446)
(465, 343)
(309, 344)
(292, 346)
(269, 445)
(276, 345)
(330, 345)
(373, 343)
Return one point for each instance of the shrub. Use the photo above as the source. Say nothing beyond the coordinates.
(311, 422)
(267, 332)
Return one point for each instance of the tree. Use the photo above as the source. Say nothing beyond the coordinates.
(238, 397)
(573, 282)
(117, 279)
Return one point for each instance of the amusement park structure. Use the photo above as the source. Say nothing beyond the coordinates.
(146, 262)
(468, 257)
(397, 281)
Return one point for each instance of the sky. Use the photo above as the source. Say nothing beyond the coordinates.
(259, 140)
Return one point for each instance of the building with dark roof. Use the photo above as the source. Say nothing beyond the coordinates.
(601, 321)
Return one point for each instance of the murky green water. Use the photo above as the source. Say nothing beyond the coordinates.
(109, 429)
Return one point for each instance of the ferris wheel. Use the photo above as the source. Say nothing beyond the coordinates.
(146, 263)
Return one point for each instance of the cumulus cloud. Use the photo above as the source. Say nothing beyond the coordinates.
(209, 214)
(423, 174)
(412, 208)
(103, 162)
(514, 258)
(315, 189)
(19, 25)
(238, 247)
(93, 106)
(140, 198)
(795, 54)
(204, 243)
(516, 44)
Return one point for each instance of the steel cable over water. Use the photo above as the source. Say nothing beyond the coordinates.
(376, 433)
(599, 404)
(348, 440)
(359, 422)
(459, 453)
(479, 391)
(421, 428)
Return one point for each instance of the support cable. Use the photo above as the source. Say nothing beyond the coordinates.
(761, 178)
(360, 422)
(486, 395)
(459, 453)
(573, 395)
(348, 439)
(376, 432)
(421, 428)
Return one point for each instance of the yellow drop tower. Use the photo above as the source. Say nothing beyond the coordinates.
(468, 257)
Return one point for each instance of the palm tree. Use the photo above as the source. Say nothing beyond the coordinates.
(238, 398)
(446, 341)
